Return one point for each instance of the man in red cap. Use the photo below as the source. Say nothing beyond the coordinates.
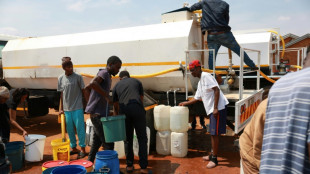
(214, 102)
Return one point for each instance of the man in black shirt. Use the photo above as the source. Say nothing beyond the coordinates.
(215, 19)
(128, 100)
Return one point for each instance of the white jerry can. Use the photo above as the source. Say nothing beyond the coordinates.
(163, 142)
(119, 147)
(179, 116)
(179, 144)
(162, 118)
(136, 144)
(89, 132)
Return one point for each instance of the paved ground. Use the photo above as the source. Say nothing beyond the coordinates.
(199, 145)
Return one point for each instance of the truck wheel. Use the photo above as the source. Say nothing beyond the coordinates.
(37, 106)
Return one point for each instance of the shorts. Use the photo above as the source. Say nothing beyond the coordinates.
(218, 126)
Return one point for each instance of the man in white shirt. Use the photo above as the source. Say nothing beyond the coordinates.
(214, 102)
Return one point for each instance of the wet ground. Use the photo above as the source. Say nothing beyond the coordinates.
(199, 145)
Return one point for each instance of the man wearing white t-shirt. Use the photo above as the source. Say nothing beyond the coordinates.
(214, 102)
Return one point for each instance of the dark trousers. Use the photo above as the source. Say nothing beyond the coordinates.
(135, 119)
(98, 138)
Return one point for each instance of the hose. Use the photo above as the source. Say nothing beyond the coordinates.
(141, 76)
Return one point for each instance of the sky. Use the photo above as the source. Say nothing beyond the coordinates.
(34, 18)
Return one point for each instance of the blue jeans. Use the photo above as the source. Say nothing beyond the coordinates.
(228, 40)
(75, 119)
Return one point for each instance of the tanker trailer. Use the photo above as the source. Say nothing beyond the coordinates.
(156, 54)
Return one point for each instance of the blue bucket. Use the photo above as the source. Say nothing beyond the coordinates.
(49, 170)
(15, 152)
(70, 169)
(107, 162)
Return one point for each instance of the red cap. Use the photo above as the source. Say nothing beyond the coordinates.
(194, 64)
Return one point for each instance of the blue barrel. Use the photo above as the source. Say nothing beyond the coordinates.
(49, 170)
(107, 162)
(15, 152)
(70, 169)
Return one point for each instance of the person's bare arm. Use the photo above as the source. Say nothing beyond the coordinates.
(216, 101)
(185, 103)
(61, 110)
(14, 123)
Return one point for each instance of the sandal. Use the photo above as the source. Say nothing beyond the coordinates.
(129, 170)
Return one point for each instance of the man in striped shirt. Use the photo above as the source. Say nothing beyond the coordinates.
(286, 140)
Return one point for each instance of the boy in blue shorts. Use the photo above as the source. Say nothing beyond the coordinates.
(214, 102)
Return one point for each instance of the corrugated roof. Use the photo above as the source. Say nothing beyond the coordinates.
(294, 41)
(290, 35)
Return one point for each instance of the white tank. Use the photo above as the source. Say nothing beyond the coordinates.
(162, 118)
(163, 142)
(119, 147)
(136, 143)
(179, 119)
(179, 144)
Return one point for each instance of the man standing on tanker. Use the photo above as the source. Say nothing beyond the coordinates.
(214, 22)
(214, 102)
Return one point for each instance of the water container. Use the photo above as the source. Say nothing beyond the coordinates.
(114, 128)
(179, 119)
(119, 147)
(34, 147)
(51, 164)
(15, 153)
(85, 163)
(162, 118)
(107, 162)
(163, 142)
(136, 143)
(179, 144)
(70, 169)
(61, 150)
(49, 170)
(89, 132)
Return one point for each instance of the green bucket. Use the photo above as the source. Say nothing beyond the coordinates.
(114, 128)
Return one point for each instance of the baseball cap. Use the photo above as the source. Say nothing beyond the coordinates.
(194, 64)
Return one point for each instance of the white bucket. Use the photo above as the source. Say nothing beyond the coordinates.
(34, 147)
(119, 147)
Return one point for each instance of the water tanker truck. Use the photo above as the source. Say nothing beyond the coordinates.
(158, 55)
